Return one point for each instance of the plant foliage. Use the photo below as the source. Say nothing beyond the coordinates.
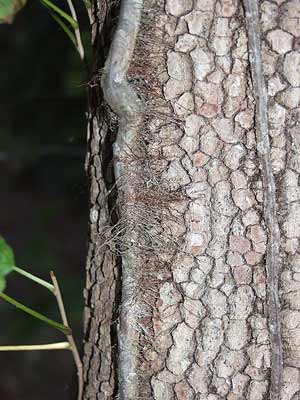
(7, 262)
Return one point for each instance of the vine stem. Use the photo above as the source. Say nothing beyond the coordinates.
(122, 98)
(49, 346)
(263, 149)
(69, 336)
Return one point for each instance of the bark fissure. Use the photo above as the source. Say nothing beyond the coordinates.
(126, 104)
(263, 149)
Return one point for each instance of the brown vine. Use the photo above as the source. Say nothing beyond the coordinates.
(263, 149)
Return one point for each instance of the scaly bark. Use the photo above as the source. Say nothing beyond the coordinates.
(100, 294)
(101, 281)
(210, 333)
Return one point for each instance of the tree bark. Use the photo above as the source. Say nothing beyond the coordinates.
(192, 273)
(101, 292)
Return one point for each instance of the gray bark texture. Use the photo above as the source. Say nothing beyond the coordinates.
(193, 271)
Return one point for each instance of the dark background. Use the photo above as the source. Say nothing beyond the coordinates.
(43, 196)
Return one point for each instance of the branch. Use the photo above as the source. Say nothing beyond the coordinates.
(263, 149)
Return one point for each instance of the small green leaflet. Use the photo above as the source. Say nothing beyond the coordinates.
(9, 8)
(7, 262)
(7, 258)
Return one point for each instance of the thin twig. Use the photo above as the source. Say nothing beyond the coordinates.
(70, 338)
(263, 149)
(80, 48)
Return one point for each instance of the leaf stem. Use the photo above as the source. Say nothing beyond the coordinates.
(64, 329)
(49, 346)
(79, 46)
(34, 278)
(59, 11)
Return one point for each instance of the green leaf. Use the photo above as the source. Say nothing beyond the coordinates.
(7, 259)
(9, 8)
(60, 12)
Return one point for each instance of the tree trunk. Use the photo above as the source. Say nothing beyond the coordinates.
(193, 158)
